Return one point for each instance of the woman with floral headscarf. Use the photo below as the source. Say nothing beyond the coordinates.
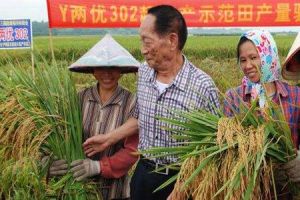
(258, 59)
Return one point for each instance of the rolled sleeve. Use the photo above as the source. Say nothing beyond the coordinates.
(135, 112)
(213, 104)
(118, 164)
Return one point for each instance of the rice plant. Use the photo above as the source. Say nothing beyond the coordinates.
(228, 158)
(41, 116)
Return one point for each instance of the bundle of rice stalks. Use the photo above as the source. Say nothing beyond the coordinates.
(18, 131)
(20, 179)
(228, 158)
(42, 116)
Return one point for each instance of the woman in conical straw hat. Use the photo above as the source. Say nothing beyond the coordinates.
(291, 66)
(258, 58)
(105, 106)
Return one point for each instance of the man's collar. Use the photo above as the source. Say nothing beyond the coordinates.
(180, 79)
(150, 74)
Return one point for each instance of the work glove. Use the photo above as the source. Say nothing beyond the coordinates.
(45, 161)
(280, 177)
(292, 168)
(83, 169)
(56, 167)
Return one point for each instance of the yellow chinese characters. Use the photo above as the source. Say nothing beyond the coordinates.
(97, 12)
(226, 13)
(77, 12)
(245, 13)
(283, 12)
(207, 14)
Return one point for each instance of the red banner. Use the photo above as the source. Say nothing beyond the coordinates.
(198, 13)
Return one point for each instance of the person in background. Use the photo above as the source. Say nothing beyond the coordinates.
(291, 71)
(167, 80)
(105, 106)
(258, 59)
(291, 66)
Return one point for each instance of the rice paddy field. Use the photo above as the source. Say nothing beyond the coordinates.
(39, 113)
(216, 55)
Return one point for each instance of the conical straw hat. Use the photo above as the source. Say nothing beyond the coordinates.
(106, 53)
(294, 49)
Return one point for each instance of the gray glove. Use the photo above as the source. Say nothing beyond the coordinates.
(58, 168)
(83, 169)
(45, 161)
(293, 168)
(280, 176)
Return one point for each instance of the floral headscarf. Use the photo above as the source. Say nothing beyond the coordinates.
(270, 63)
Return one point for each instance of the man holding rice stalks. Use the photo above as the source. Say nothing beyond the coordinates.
(105, 106)
(167, 80)
(258, 59)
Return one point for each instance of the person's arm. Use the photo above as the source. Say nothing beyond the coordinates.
(292, 168)
(118, 164)
(228, 103)
(100, 142)
(213, 103)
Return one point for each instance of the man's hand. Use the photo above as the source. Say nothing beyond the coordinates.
(293, 168)
(83, 169)
(100, 142)
(58, 168)
(97, 143)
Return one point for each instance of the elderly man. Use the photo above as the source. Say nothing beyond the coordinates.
(166, 80)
